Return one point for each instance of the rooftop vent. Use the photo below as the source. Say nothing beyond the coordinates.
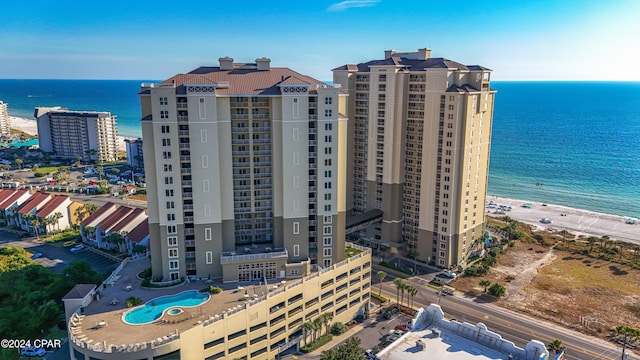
(226, 63)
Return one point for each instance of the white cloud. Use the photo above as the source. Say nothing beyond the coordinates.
(348, 4)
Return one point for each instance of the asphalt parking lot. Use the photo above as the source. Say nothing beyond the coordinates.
(376, 330)
(55, 256)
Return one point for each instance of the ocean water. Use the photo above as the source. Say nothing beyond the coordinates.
(569, 143)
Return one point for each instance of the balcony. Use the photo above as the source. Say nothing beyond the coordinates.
(188, 219)
(189, 243)
(239, 116)
(189, 231)
(185, 158)
(185, 171)
(239, 129)
(238, 104)
(262, 141)
(260, 104)
(260, 116)
(184, 146)
(187, 195)
(262, 128)
(183, 118)
(187, 206)
(181, 105)
(231, 257)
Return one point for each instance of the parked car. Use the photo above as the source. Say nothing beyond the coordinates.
(36, 256)
(68, 243)
(401, 328)
(545, 221)
(77, 248)
(32, 351)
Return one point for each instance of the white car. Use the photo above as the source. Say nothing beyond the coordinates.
(545, 221)
(32, 351)
(77, 248)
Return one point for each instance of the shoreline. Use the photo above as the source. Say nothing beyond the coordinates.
(575, 221)
(31, 127)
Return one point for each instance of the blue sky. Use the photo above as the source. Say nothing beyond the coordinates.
(518, 39)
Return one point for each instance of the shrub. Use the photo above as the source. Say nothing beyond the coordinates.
(338, 328)
(212, 289)
(133, 301)
(382, 299)
(437, 281)
(146, 273)
(321, 340)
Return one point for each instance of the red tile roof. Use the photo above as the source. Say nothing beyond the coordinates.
(51, 206)
(9, 196)
(139, 232)
(114, 218)
(133, 217)
(34, 201)
(96, 215)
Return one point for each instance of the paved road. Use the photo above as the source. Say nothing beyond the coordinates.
(55, 256)
(512, 326)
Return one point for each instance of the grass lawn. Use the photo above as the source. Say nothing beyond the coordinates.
(351, 252)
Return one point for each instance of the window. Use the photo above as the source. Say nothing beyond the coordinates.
(209, 257)
(296, 250)
(172, 241)
(327, 219)
(168, 180)
(327, 230)
(166, 142)
(327, 173)
(327, 151)
(172, 229)
(203, 135)
(171, 217)
(163, 101)
(327, 196)
(165, 128)
(170, 205)
(173, 253)
(327, 162)
(168, 167)
(327, 113)
(294, 272)
(382, 88)
(328, 127)
(326, 252)
(205, 161)
(296, 158)
(207, 234)
(205, 185)
(296, 205)
(328, 100)
(207, 209)
(173, 265)
(295, 108)
(166, 155)
(327, 207)
(164, 114)
(327, 240)
(168, 192)
(327, 262)
(328, 138)
(327, 185)
(296, 227)
(201, 109)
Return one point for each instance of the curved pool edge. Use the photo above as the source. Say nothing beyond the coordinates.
(165, 310)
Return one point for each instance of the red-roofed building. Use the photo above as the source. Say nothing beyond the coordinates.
(88, 225)
(54, 215)
(30, 208)
(122, 221)
(10, 200)
(138, 236)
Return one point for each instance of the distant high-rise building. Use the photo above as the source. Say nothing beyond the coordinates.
(5, 122)
(70, 134)
(421, 130)
(135, 157)
(245, 169)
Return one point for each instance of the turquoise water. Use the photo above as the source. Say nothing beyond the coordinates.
(153, 310)
(18, 143)
(568, 143)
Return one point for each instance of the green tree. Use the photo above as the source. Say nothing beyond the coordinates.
(317, 326)
(338, 328)
(115, 171)
(85, 210)
(592, 240)
(628, 333)
(497, 290)
(99, 170)
(413, 291)
(19, 163)
(349, 350)
(326, 318)
(307, 328)
(555, 345)
(398, 283)
(114, 239)
(381, 275)
(485, 284)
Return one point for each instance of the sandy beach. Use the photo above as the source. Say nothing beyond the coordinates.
(31, 127)
(575, 221)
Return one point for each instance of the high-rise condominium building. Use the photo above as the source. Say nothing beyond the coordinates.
(5, 123)
(70, 134)
(421, 130)
(135, 158)
(245, 169)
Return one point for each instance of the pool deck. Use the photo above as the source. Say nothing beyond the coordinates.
(103, 322)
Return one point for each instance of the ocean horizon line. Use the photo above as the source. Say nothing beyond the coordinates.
(330, 81)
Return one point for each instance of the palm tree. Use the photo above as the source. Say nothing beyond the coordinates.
(19, 163)
(317, 326)
(99, 170)
(592, 240)
(413, 292)
(55, 219)
(35, 222)
(485, 284)
(403, 287)
(555, 345)
(381, 275)
(307, 328)
(398, 283)
(326, 321)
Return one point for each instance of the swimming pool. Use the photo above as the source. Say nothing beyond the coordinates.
(153, 310)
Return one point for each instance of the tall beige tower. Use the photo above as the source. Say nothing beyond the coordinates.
(245, 167)
(421, 130)
(5, 122)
